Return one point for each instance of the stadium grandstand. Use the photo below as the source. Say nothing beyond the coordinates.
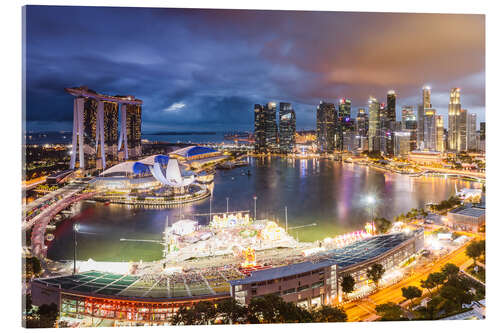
(154, 297)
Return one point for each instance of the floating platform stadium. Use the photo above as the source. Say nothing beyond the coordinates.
(161, 180)
(154, 298)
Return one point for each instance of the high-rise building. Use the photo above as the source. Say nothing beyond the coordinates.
(134, 120)
(426, 104)
(391, 106)
(440, 143)
(271, 127)
(409, 123)
(259, 129)
(89, 123)
(390, 122)
(362, 123)
(482, 136)
(95, 128)
(429, 142)
(111, 130)
(407, 114)
(462, 130)
(286, 128)
(374, 144)
(401, 143)
(471, 132)
(361, 130)
(326, 124)
(454, 108)
(426, 97)
(345, 124)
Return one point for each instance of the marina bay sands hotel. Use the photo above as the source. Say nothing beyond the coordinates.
(98, 139)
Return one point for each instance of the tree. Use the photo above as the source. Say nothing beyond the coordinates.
(382, 224)
(202, 313)
(474, 251)
(33, 266)
(427, 284)
(273, 309)
(450, 270)
(329, 314)
(389, 311)
(347, 284)
(263, 309)
(375, 273)
(438, 278)
(231, 312)
(456, 295)
(45, 317)
(410, 293)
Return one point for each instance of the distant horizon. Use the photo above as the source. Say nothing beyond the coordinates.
(246, 57)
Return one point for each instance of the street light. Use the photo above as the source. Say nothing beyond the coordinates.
(76, 228)
(371, 201)
(255, 207)
(227, 205)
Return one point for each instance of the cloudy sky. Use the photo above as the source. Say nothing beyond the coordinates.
(205, 69)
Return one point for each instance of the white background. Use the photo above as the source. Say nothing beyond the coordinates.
(10, 157)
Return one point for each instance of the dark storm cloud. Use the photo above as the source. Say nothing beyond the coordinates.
(204, 69)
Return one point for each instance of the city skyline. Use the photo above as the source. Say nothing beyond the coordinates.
(209, 88)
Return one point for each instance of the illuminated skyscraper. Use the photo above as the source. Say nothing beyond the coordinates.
(462, 131)
(345, 124)
(134, 120)
(95, 128)
(326, 124)
(361, 128)
(374, 125)
(407, 114)
(259, 129)
(454, 108)
(111, 130)
(286, 128)
(391, 106)
(409, 123)
(471, 132)
(426, 104)
(440, 144)
(390, 122)
(89, 125)
(426, 97)
(362, 123)
(271, 127)
(482, 136)
(401, 143)
(429, 142)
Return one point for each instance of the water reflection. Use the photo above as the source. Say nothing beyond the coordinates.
(319, 191)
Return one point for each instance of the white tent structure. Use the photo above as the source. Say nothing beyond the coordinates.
(153, 164)
(173, 175)
(125, 167)
(184, 227)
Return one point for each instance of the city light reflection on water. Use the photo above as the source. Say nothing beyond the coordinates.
(319, 191)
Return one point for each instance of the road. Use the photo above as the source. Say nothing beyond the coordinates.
(480, 175)
(65, 192)
(28, 185)
(364, 310)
